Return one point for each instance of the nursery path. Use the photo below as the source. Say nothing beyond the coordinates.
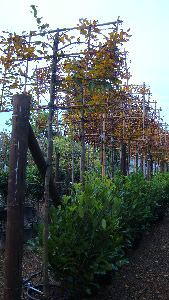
(147, 275)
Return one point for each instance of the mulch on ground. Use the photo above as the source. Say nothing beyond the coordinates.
(145, 277)
(147, 274)
(31, 263)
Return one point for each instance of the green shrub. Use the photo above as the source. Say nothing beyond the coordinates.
(34, 190)
(89, 232)
(34, 183)
(3, 183)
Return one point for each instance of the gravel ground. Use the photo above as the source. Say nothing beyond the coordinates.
(145, 277)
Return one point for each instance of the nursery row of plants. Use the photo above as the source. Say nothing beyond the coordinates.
(91, 231)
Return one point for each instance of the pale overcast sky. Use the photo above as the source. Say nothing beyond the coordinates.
(148, 20)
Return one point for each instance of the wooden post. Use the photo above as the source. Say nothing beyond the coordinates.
(41, 164)
(16, 196)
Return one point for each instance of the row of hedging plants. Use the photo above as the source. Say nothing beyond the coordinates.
(91, 231)
(34, 186)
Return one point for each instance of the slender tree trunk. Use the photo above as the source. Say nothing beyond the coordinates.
(144, 166)
(123, 159)
(141, 163)
(73, 163)
(104, 147)
(16, 196)
(49, 165)
(83, 149)
(57, 177)
(136, 161)
(162, 167)
(112, 160)
(128, 159)
(57, 160)
(149, 165)
(155, 167)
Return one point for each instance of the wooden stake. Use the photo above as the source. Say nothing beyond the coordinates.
(16, 196)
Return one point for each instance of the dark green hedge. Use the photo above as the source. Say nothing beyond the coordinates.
(91, 230)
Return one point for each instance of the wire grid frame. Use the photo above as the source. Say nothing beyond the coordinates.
(30, 72)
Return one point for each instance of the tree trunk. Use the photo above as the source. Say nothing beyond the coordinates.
(123, 159)
(83, 149)
(73, 164)
(128, 159)
(112, 161)
(136, 161)
(104, 147)
(141, 163)
(49, 165)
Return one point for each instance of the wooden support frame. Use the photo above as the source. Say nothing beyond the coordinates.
(22, 138)
(16, 195)
(41, 163)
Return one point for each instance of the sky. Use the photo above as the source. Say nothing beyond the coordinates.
(147, 19)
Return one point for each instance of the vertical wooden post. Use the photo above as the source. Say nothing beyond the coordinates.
(16, 195)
